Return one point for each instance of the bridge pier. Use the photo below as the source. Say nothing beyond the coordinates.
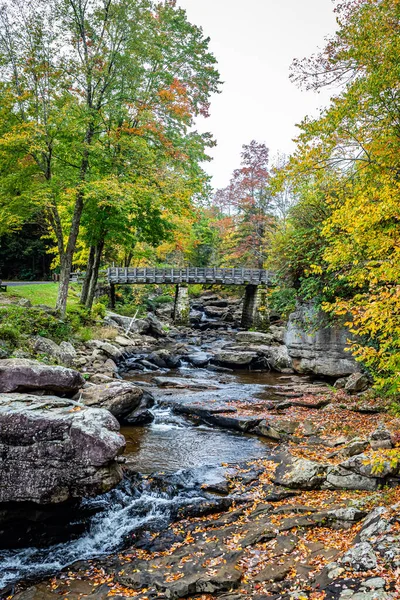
(181, 306)
(112, 295)
(255, 308)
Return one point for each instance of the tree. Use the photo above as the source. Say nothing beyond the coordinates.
(247, 200)
(83, 79)
(354, 147)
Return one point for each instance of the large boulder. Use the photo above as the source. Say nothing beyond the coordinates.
(278, 358)
(22, 375)
(119, 397)
(357, 382)
(235, 358)
(317, 346)
(54, 450)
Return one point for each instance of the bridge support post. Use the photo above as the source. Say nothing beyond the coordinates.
(181, 306)
(112, 295)
(255, 308)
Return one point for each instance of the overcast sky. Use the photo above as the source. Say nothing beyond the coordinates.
(255, 42)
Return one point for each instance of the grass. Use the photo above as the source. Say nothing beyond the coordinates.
(45, 293)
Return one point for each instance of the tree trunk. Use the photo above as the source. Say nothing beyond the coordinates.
(65, 272)
(67, 257)
(95, 274)
(88, 276)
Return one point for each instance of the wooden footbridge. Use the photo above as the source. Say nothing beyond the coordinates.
(206, 275)
(255, 280)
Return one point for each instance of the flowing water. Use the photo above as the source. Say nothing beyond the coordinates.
(170, 444)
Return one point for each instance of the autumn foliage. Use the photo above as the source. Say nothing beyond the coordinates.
(346, 172)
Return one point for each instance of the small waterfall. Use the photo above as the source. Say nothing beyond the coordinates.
(121, 512)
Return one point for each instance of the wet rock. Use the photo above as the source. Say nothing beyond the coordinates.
(234, 422)
(118, 397)
(234, 359)
(140, 416)
(204, 508)
(220, 303)
(54, 449)
(357, 382)
(185, 383)
(214, 312)
(300, 473)
(21, 374)
(195, 316)
(164, 358)
(360, 557)
(199, 359)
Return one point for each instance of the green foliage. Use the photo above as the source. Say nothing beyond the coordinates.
(31, 321)
(282, 300)
(340, 243)
(78, 316)
(98, 103)
(84, 334)
(163, 299)
(9, 334)
(98, 310)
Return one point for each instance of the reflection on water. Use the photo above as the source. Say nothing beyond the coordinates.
(171, 443)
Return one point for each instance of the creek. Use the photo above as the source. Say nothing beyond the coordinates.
(183, 453)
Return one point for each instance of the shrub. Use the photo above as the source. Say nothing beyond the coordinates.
(98, 310)
(33, 321)
(282, 300)
(9, 334)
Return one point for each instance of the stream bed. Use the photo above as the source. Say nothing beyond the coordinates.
(172, 444)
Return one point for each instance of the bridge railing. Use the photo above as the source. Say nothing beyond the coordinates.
(234, 276)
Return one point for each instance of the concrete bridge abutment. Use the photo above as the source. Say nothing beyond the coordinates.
(255, 308)
(181, 306)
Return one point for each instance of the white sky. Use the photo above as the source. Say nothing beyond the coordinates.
(255, 42)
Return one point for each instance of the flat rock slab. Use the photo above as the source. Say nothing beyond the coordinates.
(183, 383)
(53, 449)
(177, 577)
(23, 375)
(212, 412)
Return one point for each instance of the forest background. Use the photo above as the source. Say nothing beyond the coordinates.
(101, 163)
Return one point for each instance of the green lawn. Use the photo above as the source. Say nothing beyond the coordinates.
(45, 293)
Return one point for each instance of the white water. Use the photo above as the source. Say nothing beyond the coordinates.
(123, 512)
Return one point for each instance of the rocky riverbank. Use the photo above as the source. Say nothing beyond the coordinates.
(316, 516)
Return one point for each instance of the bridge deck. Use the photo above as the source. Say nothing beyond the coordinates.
(123, 275)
